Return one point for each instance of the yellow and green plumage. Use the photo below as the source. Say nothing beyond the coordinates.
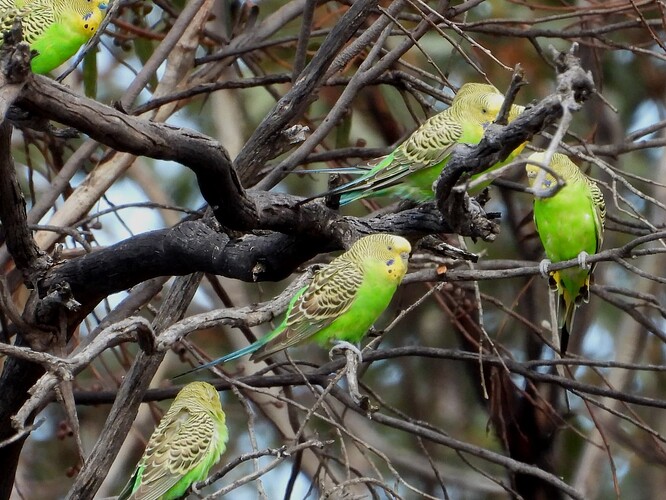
(570, 225)
(54, 28)
(187, 442)
(410, 170)
(341, 302)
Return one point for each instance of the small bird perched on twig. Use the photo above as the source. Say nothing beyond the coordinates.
(570, 225)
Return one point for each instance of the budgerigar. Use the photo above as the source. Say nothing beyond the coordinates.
(54, 28)
(570, 225)
(410, 170)
(187, 442)
(343, 300)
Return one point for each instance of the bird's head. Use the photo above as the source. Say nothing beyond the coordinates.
(532, 169)
(88, 14)
(482, 103)
(201, 392)
(389, 249)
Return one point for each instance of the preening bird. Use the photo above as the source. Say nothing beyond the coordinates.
(410, 170)
(570, 225)
(341, 302)
(187, 442)
(54, 28)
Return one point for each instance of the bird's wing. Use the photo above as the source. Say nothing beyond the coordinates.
(35, 19)
(431, 143)
(599, 210)
(176, 451)
(331, 294)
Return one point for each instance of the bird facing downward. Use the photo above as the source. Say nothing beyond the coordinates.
(187, 442)
(412, 168)
(56, 29)
(570, 225)
(343, 300)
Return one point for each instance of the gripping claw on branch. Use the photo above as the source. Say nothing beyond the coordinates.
(543, 268)
(582, 260)
(343, 345)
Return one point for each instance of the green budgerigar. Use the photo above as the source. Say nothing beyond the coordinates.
(570, 225)
(412, 168)
(54, 28)
(341, 302)
(187, 442)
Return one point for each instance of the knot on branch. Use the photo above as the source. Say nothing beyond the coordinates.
(15, 55)
(574, 84)
(59, 300)
(467, 216)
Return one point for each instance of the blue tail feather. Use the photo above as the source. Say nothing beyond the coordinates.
(333, 170)
(255, 346)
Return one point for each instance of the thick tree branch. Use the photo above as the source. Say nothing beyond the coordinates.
(204, 156)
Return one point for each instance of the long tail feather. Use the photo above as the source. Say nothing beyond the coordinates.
(359, 170)
(229, 357)
(350, 188)
(566, 324)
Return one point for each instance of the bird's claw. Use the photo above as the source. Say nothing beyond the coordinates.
(354, 359)
(543, 268)
(582, 260)
(342, 345)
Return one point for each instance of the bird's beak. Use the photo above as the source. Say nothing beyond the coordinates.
(404, 256)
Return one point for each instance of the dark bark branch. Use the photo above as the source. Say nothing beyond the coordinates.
(15, 60)
(195, 246)
(27, 256)
(203, 155)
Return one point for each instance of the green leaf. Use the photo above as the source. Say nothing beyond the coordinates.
(90, 73)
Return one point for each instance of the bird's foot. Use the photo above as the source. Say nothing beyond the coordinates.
(354, 359)
(582, 260)
(543, 268)
(343, 345)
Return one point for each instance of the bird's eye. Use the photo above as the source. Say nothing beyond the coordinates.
(484, 110)
(389, 248)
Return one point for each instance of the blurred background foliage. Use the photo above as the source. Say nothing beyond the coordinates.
(621, 43)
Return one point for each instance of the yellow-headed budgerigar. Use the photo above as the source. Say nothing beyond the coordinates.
(187, 442)
(570, 225)
(341, 302)
(54, 28)
(410, 170)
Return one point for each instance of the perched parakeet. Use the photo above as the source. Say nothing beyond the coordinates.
(341, 302)
(570, 225)
(187, 442)
(410, 170)
(54, 28)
